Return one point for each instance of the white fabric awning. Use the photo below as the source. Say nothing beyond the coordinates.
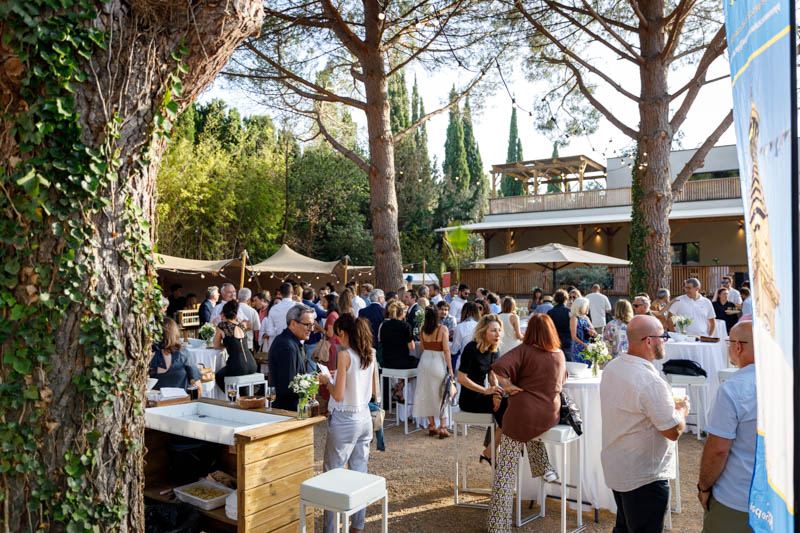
(181, 264)
(287, 260)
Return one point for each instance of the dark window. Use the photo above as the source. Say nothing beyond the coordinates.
(685, 253)
(715, 175)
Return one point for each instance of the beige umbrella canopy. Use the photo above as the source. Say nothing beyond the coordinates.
(553, 257)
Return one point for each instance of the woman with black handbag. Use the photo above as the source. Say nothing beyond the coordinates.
(532, 376)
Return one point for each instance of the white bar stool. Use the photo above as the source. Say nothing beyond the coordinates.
(725, 374)
(561, 436)
(248, 380)
(700, 385)
(405, 374)
(343, 492)
(466, 419)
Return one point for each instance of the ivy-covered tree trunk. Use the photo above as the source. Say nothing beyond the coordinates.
(90, 89)
(637, 242)
(654, 148)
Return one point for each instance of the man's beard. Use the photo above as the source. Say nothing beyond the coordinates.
(659, 351)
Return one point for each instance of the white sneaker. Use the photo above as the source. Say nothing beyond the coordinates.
(551, 476)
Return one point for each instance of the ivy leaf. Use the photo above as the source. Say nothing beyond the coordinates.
(31, 393)
(172, 109)
(23, 366)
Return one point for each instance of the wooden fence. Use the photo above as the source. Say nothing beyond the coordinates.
(517, 281)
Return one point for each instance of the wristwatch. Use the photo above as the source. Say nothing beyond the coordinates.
(703, 491)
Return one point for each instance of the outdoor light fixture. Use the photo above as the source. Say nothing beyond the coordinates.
(202, 276)
(382, 14)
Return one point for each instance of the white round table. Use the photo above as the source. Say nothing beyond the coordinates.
(712, 356)
(214, 359)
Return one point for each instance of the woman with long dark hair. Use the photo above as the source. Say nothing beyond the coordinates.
(434, 365)
(170, 364)
(231, 337)
(350, 424)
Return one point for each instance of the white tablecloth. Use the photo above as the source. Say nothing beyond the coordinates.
(712, 356)
(215, 359)
(586, 394)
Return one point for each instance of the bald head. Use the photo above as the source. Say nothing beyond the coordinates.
(643, 331)
(740, 344)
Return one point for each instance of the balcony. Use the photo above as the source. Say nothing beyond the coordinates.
(711, 189)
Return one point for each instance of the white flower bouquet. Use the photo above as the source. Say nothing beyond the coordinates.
(305, 386)
(681, 323)
(596, 352)
(206, 331)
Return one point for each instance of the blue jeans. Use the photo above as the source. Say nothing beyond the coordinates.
(380, 445)
(311, 366)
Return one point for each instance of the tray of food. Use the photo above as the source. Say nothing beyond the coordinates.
(204, 494)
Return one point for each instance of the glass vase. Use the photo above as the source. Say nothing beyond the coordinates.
(303, 410)
(594, 369)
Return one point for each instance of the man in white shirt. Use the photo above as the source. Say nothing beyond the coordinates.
(252, 315)
(693, 305)
(734, 296)
(458, 301)
(358, 303)
(275, 322)
(226, 294)
(436, 293)
(598, 306)
(640, 417)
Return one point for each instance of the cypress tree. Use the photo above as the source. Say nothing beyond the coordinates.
(455, 166)
(510, 186)
(478, 182)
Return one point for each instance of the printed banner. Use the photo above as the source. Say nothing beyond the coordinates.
(762, 61)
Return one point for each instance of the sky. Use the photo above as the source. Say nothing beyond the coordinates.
(491, 120)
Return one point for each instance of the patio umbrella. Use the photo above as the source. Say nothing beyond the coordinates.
(553, 257)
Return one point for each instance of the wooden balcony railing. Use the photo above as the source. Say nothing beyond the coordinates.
(714, 189)
(517, 281)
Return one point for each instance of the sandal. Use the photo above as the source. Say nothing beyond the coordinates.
(484, 458)
(443, 434)
(432, 431)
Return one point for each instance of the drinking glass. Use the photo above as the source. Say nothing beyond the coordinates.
(233, 391)
(679, 393)
(270, 396)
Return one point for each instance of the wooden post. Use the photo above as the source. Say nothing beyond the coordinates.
(580, 237)
(346, 260)
(423, 272)
(581, 172)
(494, 185)
(244, 263)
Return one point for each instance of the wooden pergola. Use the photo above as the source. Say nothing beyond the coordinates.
(555, 170)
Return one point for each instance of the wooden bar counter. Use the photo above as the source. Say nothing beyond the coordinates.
(269, 462)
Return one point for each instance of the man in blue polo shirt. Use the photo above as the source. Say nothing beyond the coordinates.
(727, 464)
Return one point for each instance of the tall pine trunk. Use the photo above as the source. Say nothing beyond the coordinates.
(80, 328)
(382, 196)
(654, 148)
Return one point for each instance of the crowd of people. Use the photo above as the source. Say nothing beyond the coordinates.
(513, 370)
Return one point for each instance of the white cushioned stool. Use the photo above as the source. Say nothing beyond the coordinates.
(700, 385)
(343, 492)
(405, 374)
(248, 380)
(725, 374)
(466, 419)
(561, 435)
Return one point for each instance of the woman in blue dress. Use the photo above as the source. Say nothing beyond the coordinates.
(580, 328)
(169, 364)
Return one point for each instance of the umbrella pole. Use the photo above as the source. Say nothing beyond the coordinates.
(554, 279)
(244, 262)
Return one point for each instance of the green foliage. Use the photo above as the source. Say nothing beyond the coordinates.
(221, 195)
(48, 238)
(585, 276)
(639, 229)
(478, 183)
(329, 207)
(455, 167)
(510, 186)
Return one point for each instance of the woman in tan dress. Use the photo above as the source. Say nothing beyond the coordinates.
(532, 375)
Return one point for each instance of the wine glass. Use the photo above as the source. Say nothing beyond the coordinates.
(270, 396)
(233, 391)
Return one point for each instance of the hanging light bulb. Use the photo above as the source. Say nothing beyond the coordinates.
(382, 14)
(202, 276)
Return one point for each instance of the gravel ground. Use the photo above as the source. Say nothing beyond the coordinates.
(419, 472)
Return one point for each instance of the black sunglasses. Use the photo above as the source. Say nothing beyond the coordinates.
(664, 336)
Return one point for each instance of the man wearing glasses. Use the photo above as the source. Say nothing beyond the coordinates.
(640, 417)
(695, 306)
(727, 465)
(734, 296)
(287, 357)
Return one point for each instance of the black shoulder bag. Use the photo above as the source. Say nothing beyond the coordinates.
(570, 413)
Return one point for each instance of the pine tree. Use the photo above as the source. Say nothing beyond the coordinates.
(510, 186)
(478, 183)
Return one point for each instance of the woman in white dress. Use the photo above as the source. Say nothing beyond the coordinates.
(512, 335)
(434, 365)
